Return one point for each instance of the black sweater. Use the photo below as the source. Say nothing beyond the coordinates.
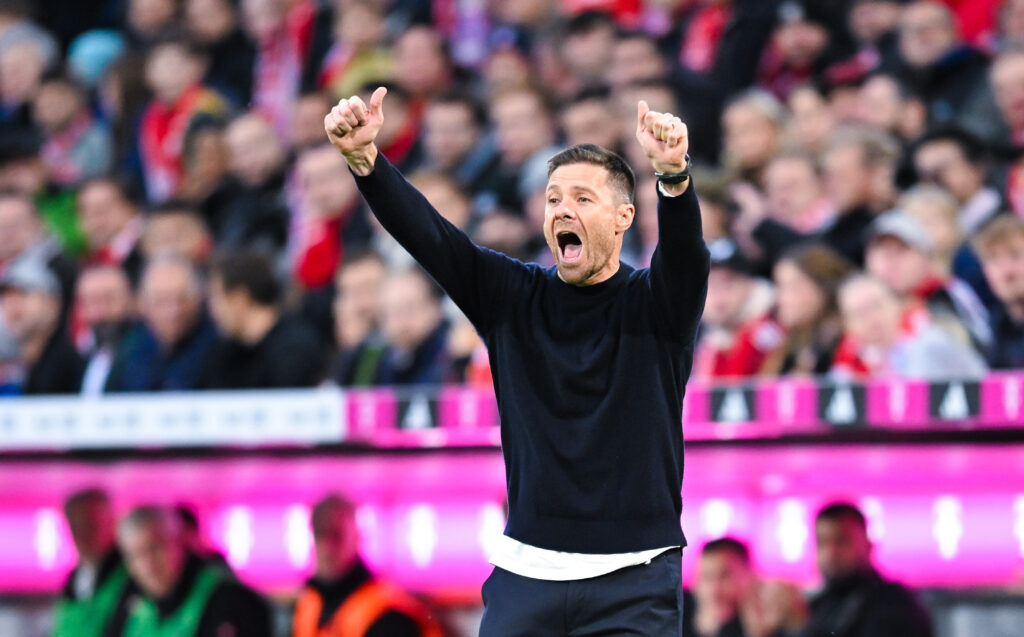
(589, 380)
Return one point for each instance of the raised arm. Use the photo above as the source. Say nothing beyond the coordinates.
(474, 277)
(679, 267)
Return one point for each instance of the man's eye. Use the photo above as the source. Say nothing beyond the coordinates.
(552, 200)
(584, 199)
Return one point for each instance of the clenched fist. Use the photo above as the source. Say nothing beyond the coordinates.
(352, 126)
(663, 137)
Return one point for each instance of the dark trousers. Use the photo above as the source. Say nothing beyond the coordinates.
(640, 600)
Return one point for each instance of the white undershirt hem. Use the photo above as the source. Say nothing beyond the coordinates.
(557, 566)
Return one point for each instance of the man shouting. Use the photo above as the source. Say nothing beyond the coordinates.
(590, 359)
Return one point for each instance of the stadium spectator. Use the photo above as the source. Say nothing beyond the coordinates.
(812, 122)
(357, 56)
(806, 281)
(16, 26)
(454, 139)
(956, 161)
(343, 599)
(319, 224)
(357, 319)
(400, 137)
(148, 21)
(105, 307)
(260, 346)
(877, 340)
(181, 594)
(1007, 78)
(800, 47)
(23, 237)
(174, 73)
(205, 183)
(95, 597)
(586, 48)
(585, 120)
(175, 229)
(857, 601)
(256, 216)
(194, 541)
(938, 65)
(526, 136)
(725, 583)
(635, 58)
(422, 67)
(901, 253)
(112, 225)
(414, 329)
(889, 104)
(30, 300)
(215, 25)
(1000, 245)
(170, 349)
(737, 332)
(22, 66)
(77, 146)
(307, 126)
(752, 125)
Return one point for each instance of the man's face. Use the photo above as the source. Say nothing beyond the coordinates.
(357, 304)
(104, 299)
(926, 33)
(408, 311)
(869, 21)
(791, 187)
(798, 300)
(635, 59)
(93, 528)
(56, 105)
(169, 302)
(584, 220)
(1007, 76)
(847, 176)
(1004, 269)
(588, 54)
(843, 547)
(450, 133)
(178, 234)
(335, 544)
(589, 122)
(943, 163)
(19, 227)
(153, 559)
(812, 120)
(723, 583)
(325, 195)
(28, 313)
(170, 71)
(727, 293)
(420, 66)
(254, 153)
(902, 267)
(523, 126)
(871, 313)
(103, 213)
(750, 137)
(209, 20)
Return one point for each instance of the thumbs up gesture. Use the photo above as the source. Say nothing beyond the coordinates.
(352, 126)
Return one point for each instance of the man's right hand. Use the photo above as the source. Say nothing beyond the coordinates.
(352, 126)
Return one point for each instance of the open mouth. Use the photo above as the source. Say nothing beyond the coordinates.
(570, 246)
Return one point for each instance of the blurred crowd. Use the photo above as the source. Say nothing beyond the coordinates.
(172, 218)
(152, 572)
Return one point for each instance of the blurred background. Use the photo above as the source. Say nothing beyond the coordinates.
(218, 371)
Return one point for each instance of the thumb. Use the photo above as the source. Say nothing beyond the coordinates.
(641, 112)
(377, 101)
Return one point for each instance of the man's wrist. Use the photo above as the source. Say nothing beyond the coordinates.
(361, 162)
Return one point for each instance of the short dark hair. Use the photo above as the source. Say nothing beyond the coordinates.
(728, 545)
(327, 506)
(973, 149)
(457, 97)
(620, 175)
(250, 271)
(84, 497)
(837, 511)
(188, 517)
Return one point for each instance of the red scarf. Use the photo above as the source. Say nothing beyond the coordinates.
(279, 64)
(57, 150)
(700, 45)
(162, 140)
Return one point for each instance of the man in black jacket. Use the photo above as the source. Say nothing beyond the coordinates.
(857, 601)
(590, 360)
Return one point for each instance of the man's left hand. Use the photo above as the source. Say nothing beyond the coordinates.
(663, 137)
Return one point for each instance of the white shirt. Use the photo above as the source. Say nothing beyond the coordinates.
(557, 566)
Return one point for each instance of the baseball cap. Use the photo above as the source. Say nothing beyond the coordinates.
(726, 254)
(899, 224)
(31, 276)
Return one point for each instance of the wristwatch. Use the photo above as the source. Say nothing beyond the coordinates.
(675, 178)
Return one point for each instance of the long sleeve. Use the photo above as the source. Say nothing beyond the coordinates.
(680, 265)
(475, 278)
